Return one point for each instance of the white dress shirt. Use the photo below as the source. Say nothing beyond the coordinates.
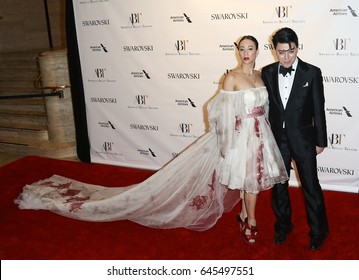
(285, 83)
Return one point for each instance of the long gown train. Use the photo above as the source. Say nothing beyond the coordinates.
(194, 189)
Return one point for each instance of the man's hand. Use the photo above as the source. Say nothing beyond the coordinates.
(319, 150)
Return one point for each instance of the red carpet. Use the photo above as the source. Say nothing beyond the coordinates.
(42, 235)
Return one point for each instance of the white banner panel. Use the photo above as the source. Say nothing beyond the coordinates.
(150, 67)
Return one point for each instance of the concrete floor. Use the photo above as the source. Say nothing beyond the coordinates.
(6, 158)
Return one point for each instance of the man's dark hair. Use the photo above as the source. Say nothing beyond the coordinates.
(285, 36)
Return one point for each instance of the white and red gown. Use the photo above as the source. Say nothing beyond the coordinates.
(194, 189)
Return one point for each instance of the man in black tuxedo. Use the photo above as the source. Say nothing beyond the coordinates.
(297, 117)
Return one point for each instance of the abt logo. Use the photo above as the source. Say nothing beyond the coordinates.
(185, 127)
(135, 18)
(108, 147)
(336, 139)
(100, 72)
(141, 99)
(341, 44)
(283, 11)
(181, 45)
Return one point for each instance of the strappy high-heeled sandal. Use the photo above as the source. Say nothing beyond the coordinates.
(251, 237)
(242, 224)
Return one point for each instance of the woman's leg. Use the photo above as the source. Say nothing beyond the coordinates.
(242, 216)
(250, 232)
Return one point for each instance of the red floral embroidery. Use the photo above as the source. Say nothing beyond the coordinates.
(56, 186)
(199, 201)
(74, 207)
(256, 126)
(63, 186)
(260, 167)
(238, 123)
(47, 183)
(70, 192)
(65, 191)
(262, 178)
(76, 202)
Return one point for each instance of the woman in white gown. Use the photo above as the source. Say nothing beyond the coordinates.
(237, 156)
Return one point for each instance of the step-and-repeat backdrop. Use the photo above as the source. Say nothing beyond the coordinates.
(150, 67)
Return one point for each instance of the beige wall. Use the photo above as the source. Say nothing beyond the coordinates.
(23, 25)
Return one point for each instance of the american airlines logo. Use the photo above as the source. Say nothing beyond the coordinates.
(349, 11)
(141, 74)
(146, 152)
(99, 48)
(107, 124)
(347, 112)
(185, 102)
(343, 111)
(227, 47)
(181, 18)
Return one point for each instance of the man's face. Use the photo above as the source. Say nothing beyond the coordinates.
(286, 53)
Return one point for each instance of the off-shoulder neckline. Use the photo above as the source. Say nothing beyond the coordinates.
(234, 91)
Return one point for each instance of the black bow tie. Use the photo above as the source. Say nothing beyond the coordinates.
(284, 71)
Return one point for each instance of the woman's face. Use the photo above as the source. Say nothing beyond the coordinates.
(247, 51)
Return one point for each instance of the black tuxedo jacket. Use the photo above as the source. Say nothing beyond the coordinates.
(304, 115)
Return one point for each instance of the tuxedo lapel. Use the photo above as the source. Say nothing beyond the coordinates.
(298, 81)
(275, 86)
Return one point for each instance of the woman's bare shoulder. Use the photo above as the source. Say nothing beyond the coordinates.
(231, 80)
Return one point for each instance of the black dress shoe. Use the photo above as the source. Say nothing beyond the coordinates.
(280, 237)
(316, 243)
